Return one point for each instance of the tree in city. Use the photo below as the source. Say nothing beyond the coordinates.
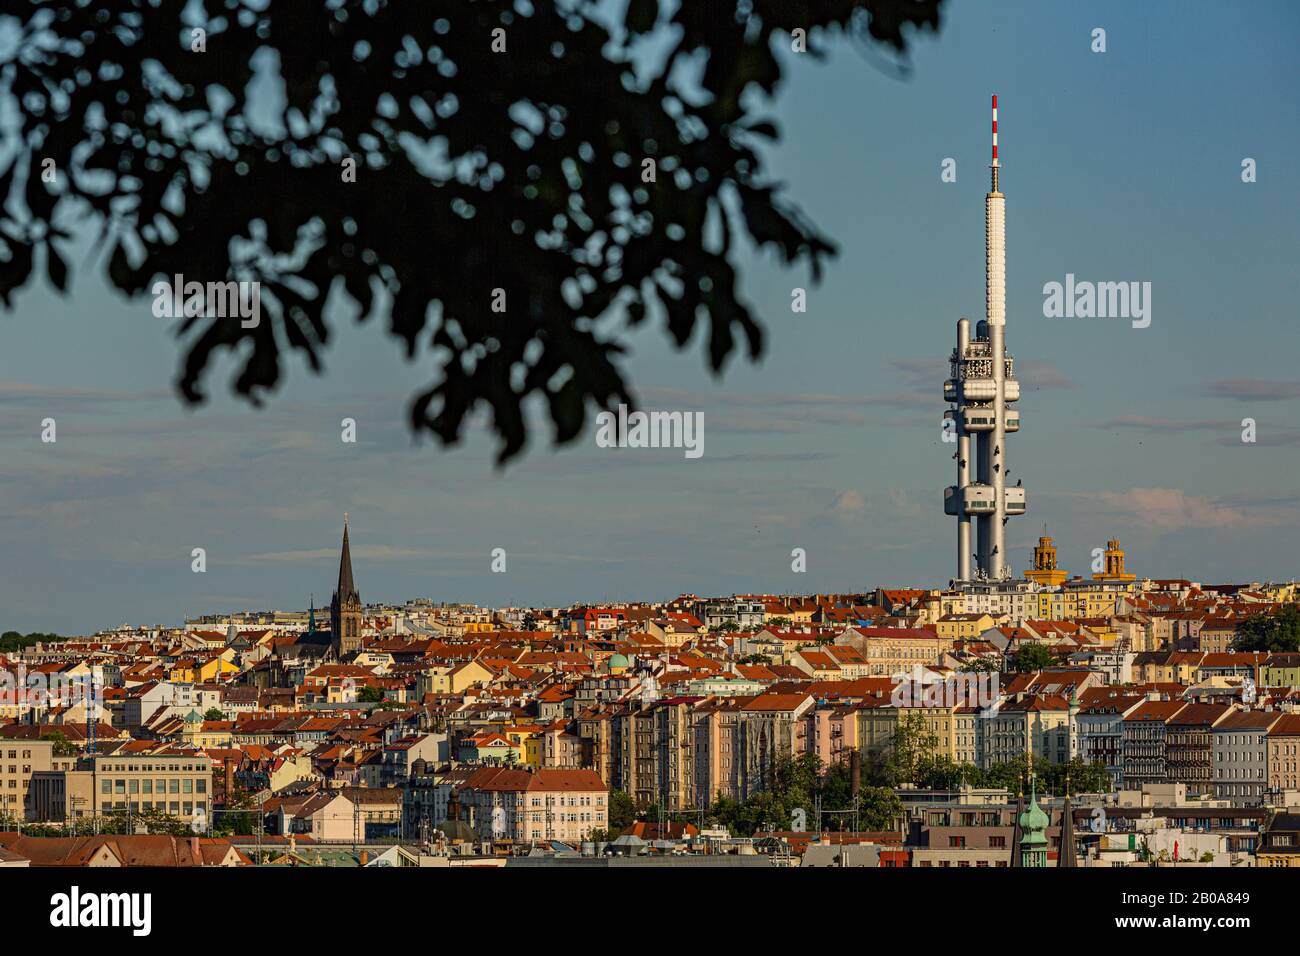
(622, 811)
(1032, 656)
(1277, 633)
(1081, 776)
(879, 808)
(12, 641)
(214, 713)
(803, 783)
(238, 817)
(511, 188)
(154, 822)
(63, 747)
(912, 751)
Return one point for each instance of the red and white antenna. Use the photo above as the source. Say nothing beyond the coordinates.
(995, 142)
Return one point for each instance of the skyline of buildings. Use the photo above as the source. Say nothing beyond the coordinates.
(428, 734)
(828, 445)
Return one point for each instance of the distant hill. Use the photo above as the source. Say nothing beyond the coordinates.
(13, 641)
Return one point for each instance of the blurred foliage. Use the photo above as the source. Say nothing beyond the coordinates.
(476, 171)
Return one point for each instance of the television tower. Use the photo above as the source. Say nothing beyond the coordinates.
(981, 386)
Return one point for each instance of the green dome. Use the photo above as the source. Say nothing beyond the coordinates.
(1033, 819)
(1033, 822)
(618, 660)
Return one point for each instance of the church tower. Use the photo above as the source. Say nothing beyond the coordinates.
(1033, 832)
(1045, 571)
(345, 609)
(1114, 564)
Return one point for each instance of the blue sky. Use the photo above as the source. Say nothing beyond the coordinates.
(1116, 166)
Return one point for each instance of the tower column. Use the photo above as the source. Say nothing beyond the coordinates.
(963, 468)
(995, 296)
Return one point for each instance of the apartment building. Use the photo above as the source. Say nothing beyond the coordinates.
(20, 762)
(178, 785)
(1284, 753)
(1240, 755)
(1189, 754)
(1143, 732)
(767, 727)
(1037, 723)
(894, 650)
(1100, 723)
(529, 806)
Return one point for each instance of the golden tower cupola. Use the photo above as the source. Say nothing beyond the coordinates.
(1114, 564)
(1045, 571)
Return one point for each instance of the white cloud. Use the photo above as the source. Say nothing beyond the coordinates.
(1169, 509)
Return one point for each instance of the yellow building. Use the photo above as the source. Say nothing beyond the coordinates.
(1280, 844)
(216, 667)
(1280, 670)
(878, 727)
(963, 627)
(1079, 598)
(209, 733)
(888, 651)
(527, 740)
(452, 678)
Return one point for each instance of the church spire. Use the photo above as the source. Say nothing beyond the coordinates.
(1066, 854)
(1033, 827)
(347, 590)
(345, 608)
